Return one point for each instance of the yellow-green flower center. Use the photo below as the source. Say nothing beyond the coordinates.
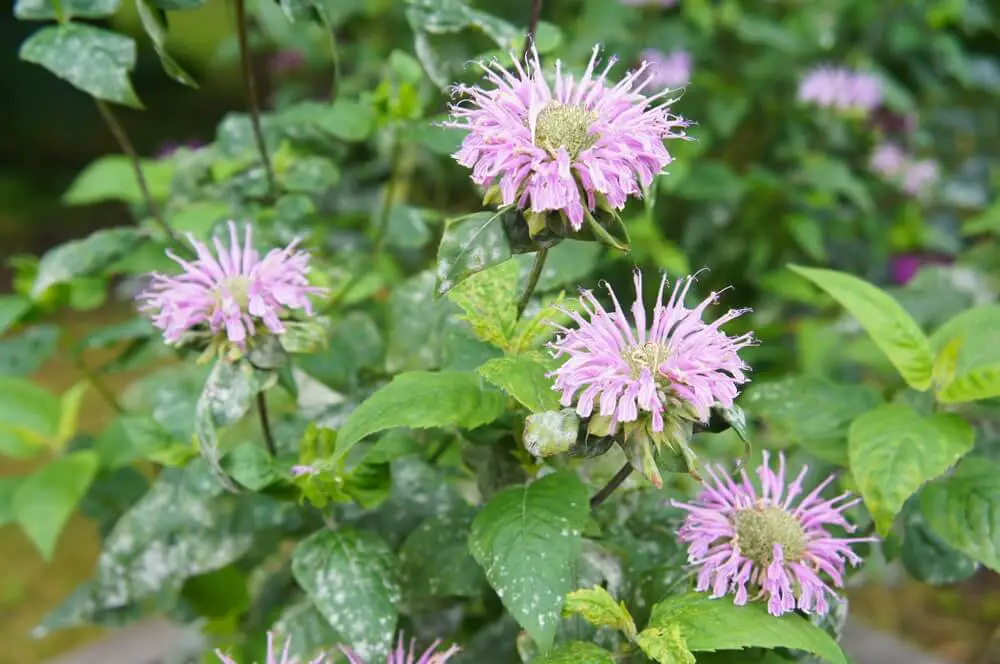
(564, 126)
(237, 288)
(759, 528)
(646, 356)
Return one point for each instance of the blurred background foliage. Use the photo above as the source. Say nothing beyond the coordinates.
(767, 181)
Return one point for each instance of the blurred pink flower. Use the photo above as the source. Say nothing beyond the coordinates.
(628, 368)
(232, 291)
(920, 176)
(904, 267)
(672, 70)
(764, 544)
(565, 147)
(888, 160)
(285, 62)
(401, 656)
(916, 177)
(841, 88)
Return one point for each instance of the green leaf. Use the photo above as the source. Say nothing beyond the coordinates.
(43, 10)
(894, 450)
(45, 499)
(964, 510)
(928, 558)
(29, 417)
(12, 307)
(25, 353)
(576, 652)
(524, 379)
(407, 227)
(527, 539)
(306, 632)
(470, 244)
(69, 413)
(599, 608)
(179, 5)
(435, 560)
(154, 22)
(112, 178)
(251, 465)
(351, 578)
(226, 397)
(665, 645)
(8, 487)
(551, 432)
(422, 400)
(93, 60)
(345, 119)
(708, 624)
(968, 362)
(835, 177)
(417, 325)
(489, 300)
(83, 258)
(888, 324)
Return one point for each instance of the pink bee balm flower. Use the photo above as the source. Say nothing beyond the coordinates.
(888, 160)
(273, 656)
(766, 544)
(671, 70)
(567, 146)
(401, 656)
(840, 88)
(913, 176)
(919, 177)
(232, 291)
(628, 368)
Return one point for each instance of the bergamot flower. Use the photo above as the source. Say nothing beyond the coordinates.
(841, 89)
(402, 656)
(273, 654)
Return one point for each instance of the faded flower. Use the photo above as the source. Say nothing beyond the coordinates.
(402, 656)
(841, 89)
(765, 545)
(232, 292)
(570, 146)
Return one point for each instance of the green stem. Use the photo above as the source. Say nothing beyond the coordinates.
(610, 487)
(251, 89)
(533, 276)
(99, 386)
(126, 145)
(265, 425)
(382, 225)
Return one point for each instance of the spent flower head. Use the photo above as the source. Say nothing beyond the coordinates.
(400, 655)
(841, 89)
(669, 70)
(672, 363)
(569, 146)
(233, 292)
(769, 544)
(274, 656)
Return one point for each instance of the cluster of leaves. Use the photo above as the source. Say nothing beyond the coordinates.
(436, 509)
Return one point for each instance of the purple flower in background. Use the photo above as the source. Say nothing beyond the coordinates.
(841, 88)
(285, 62)
(888, 160)
(401, 656)
(170, 147)
(626, 367)
(893, 164)
(672, 70)
(764, 543)
(273, 656)
(904, 267)
(232, 291)
(920, 176)
(567, 146)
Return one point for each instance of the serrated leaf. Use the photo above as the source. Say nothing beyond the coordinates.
(44, 500)
(93, 60)
(489, 300)
(421, 399)
(665, 645)
(964, 510)
(527, 539)
(576, 652)
(154, 23)
(83, 258)
(524, 379)
(888, 324)
(44, 10)
(351, 578)
(894, 450)
(599, 608)
(470, 244)
(708, 624)
(968, 363)
(434, 560)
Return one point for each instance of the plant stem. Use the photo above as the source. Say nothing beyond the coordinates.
(536, 15)
(610, 487)
(265, 425)
(529, 288)
(99, 385)
(126, 145)
(382, 225)
(439, 452)
(251, 90)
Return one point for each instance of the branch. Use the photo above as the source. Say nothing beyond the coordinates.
(610, 487)
(251, 90)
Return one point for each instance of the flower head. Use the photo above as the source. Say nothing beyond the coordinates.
(273, 656)
(568, 146)
(888, 160)
(231, 292)
(765, 543)
(670, 70)
(629, 369)
(402, 656)
(840, 88)
(913, 176)
(920, 176)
